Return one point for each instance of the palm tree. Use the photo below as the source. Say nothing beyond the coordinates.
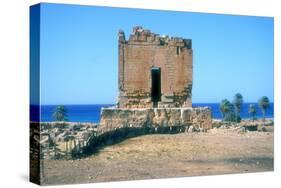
(223, 107)
(237, 102)
(252, 111)
(60, 113)
(226, 108)
(264, 105)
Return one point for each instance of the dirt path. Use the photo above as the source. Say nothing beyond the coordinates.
(160, 156)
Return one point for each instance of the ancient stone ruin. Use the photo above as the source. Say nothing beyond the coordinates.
(155, 85)
(154, 71)
(155, 89)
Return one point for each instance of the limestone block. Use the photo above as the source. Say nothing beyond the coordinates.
(114, 118)
(174, 116)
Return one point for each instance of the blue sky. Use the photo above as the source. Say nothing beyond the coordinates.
(79, 51)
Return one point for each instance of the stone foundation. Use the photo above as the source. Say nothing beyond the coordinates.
(118, 118)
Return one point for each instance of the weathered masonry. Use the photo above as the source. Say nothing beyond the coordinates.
(154, 71)
(155, 86)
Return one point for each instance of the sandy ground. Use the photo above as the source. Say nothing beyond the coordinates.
(219, 151)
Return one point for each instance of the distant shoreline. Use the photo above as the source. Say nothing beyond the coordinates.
(91, 113)
(113, 104)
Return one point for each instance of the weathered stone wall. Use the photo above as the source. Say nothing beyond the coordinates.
(145, 50)
(117, 118)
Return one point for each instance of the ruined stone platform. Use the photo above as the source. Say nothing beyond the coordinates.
(118, 118)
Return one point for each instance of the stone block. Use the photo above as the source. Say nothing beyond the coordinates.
(115, 118)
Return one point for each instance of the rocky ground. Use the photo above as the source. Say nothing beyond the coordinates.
(222, 150)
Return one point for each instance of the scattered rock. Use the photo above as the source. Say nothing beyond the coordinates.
(262, 129)
(241, 130)
(224, 127)
(191, 129)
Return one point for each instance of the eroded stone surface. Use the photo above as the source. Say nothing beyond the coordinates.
(137, 107)
(116, 118)
(145, 50)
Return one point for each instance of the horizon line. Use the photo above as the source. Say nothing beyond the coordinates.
(115, 103)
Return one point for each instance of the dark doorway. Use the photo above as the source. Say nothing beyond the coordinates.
(155, 86)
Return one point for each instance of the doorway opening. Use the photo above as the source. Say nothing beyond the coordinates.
(155, 86)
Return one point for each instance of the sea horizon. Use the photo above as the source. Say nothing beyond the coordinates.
(91, 112)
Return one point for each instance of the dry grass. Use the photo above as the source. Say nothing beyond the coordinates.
(160, 156)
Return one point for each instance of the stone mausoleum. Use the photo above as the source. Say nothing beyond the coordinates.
(154, 71)
(155, 84)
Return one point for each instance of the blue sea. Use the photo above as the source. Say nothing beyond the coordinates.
(91, 113)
